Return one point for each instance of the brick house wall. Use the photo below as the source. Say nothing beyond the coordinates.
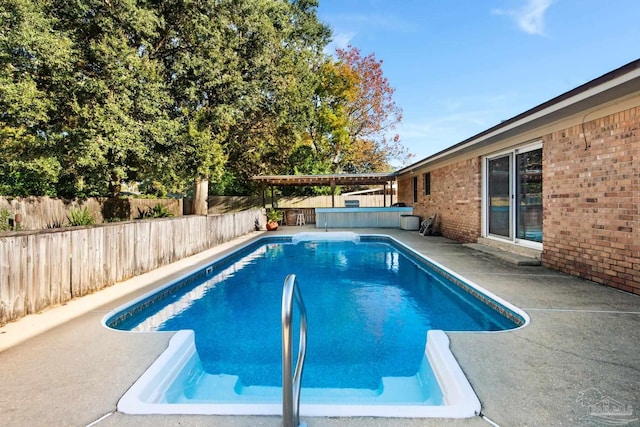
(455, 197)
(591, 196)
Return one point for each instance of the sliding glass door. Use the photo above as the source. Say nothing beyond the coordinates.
(513, 182)
(529, 196)
(499, 196)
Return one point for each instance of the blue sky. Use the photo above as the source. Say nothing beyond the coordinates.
(460, 67)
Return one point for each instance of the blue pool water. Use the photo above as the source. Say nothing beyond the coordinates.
(369, 304)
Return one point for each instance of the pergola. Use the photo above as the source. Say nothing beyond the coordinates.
(330, 180)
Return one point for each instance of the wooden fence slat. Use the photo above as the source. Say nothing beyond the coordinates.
(78, 245)
(43, 289)
(127, 246)
(53, 268)
(95, 264)
(108, 252)
(156, 244)
(12, 291)
(61, 278)
(32, 259)
(5, 290)
(174, 242)
(141, 245)
(118, 253)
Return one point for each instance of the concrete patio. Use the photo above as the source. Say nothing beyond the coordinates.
(581, 349)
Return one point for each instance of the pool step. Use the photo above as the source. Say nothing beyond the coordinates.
(227, 388)
(506, 252)
(177, 384)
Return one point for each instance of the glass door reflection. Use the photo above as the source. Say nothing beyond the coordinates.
(499, 196)
(529, 196)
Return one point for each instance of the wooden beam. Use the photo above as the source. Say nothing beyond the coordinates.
(392, 192)
(333, 192)
(384, 195)
(272, 198)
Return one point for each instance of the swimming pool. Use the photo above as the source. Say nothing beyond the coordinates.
(373, 290)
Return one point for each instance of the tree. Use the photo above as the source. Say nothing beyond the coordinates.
(264, 138)
(115, 110)
(34, 66)
(238, 73)
(328, 134)
(82, 104)
(97, 93)
(355, 114)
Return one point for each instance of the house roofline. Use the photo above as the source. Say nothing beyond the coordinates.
(599, 90)
(327, 179)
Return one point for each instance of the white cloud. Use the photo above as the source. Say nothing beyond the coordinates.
(347, 26)
(374, 22)
(436, 133)
(340, 41)
(456, 120)
(452, 127)
(530, 17)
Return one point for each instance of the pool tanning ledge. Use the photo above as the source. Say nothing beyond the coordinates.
(148, 394)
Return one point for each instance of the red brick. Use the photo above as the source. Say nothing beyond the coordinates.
(591, 219)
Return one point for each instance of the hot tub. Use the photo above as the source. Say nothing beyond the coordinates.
(361, 217)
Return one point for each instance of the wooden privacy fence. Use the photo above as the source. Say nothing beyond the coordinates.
(39, 213)
(45, 268)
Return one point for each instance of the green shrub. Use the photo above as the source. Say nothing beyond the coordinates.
(158, 211)
(80, 217)
(7, 223)
(274, 215)
(4, 220)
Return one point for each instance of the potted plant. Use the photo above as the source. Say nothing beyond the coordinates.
(273, 216)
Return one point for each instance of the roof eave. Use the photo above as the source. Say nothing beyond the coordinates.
(327, 180)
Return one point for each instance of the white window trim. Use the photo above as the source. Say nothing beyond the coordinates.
(514, 151)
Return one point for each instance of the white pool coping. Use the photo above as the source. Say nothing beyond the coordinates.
(460, 401)
(147, 394)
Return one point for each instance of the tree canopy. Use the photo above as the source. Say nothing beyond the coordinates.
(97, 93)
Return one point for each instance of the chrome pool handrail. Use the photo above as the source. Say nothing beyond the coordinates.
(291, 385)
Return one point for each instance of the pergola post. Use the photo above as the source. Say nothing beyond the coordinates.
(391, 204)
(272, 198)
(384, 195)
(333, 193)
